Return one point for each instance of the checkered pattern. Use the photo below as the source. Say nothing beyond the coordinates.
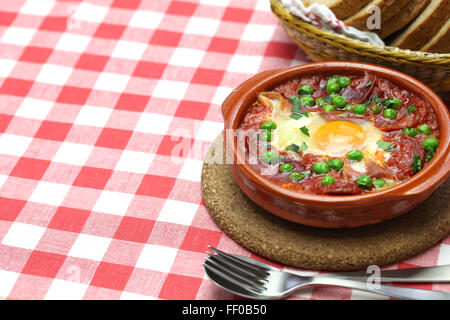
(107, 108)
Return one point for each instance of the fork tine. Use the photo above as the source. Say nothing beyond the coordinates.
(221, 273)
(253, 267)
(248, 276)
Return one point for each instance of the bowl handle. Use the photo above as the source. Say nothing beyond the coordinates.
(227, 105)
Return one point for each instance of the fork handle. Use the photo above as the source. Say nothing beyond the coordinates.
(392, 291)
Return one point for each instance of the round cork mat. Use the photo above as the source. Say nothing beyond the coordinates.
(313, 248)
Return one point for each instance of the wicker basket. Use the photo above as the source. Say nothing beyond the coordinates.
(432, 69)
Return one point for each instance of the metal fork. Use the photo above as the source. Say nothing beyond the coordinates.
(254, 281)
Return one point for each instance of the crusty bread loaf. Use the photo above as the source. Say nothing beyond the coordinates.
(408, 12)
(440, 43)
(388, 9)
(341, 8)
(425, 26)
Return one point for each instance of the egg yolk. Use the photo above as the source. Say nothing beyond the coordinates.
(338, 137)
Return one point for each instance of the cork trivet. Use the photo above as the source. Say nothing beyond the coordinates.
(313, 248)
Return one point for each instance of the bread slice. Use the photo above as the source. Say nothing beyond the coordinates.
(440, 43)
(425, 26)
(388, 9)
(407, 13)
(341, 8)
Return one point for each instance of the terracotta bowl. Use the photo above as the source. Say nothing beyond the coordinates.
(335, 211)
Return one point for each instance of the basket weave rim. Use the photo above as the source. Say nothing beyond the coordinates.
(424, 58)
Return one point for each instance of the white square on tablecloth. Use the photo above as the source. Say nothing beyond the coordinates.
(19, 36)
(65, 290)
(153, 123)
(89, 247)
(37, 7)
(221, 94)
(14, 145)
(191, 170)
(135, 296)
(187, 57)
(73, 153)
(113, 202)
(72, 42)
(133, 161)
(444, 254)
(111, 82)
(93, 116)
(258, 32)
(262, 5)
(3, 178)
(23, 235)
(221, 3)
(202, 26)
(245, 64)
(34, 108)
(129, 50)
(146, 19)
(7, 281)
(209, 130)
(54, 74)
(157, 258)
(6, 66)
(170, 89)
(90, 12)
(49, 193)
(180, 212)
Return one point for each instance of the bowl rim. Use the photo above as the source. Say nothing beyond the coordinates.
(438, 169)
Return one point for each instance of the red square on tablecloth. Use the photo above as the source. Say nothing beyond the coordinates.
(90, 177)
(10, 208)
(156, 186)
(132, 102)
(30, 168)
(126, 4)
(54, 24)
(224, 45)
(43, 264)
(52, 130)
(109, 31)
(92, 62)
(152, 70)
(73, 95)
(114, 138)
(69, 219)
(5, 119)
(281, 50)
(6, 18)
(180, 287)
(112, 276)
(197, 239)
(181, 8)
(208, 76)
(16, 87)
(166, 38)
(237, 15)
(35, 54)
(192, 110)
(176, 146)
(134, 229)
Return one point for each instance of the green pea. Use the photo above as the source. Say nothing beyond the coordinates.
(348, 107)
(430, 144)
(430, 155)
(335, 164)
(321, 167)
(393, 103)
(327, 180)
(269, 125)
(375, 109)
(424, 129)
(305, 90)
(328, 107)
(339, 101)
(412, 132)
(269, 157)
(390, 113)
(333, 87)
(360, 109)
(320, 101)
(266, 135)
(343, 81)
(296, 176)
(379, 183)
(355, 155)
(364, 182)
(307, 101)
(286, 167)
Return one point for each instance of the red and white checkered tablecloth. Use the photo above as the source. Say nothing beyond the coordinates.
(97, 198)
